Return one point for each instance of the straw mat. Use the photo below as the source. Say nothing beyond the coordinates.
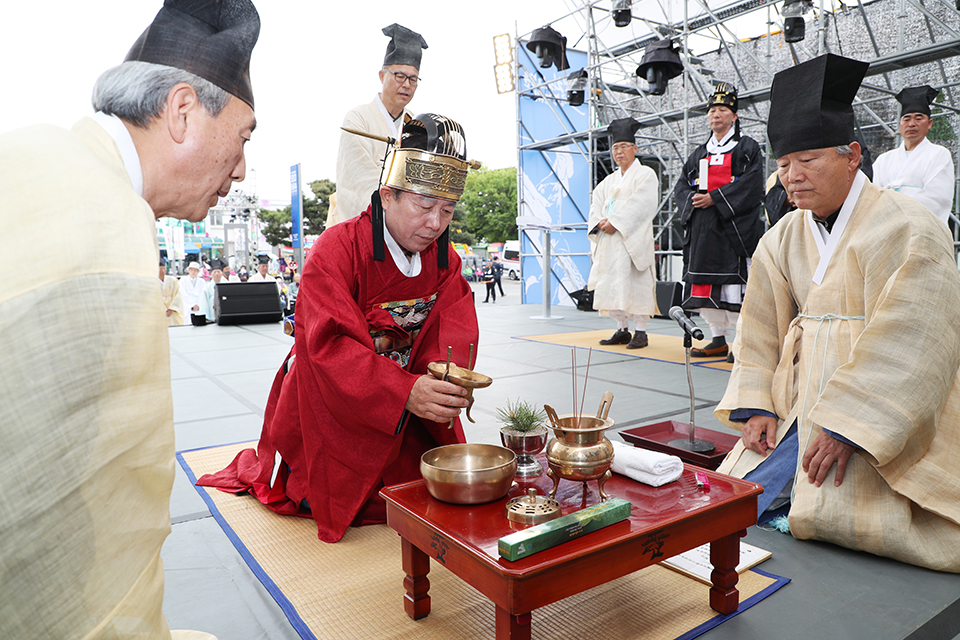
(354, 588)
(662, 348)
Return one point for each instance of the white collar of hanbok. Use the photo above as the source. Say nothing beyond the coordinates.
(409, 267)
(128, 151)
(623, 174)
(827, 242)
(390, 120)
(723, 145)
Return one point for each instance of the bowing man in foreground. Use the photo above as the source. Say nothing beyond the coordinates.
(845, 387)
(918, 168)
(85, 400)
(621, 240)
(353, 408)
(360, 159)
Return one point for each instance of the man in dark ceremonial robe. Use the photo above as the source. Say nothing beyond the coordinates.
(353, 407)
(719, 196)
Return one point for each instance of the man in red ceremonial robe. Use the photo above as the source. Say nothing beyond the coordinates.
(353, 407)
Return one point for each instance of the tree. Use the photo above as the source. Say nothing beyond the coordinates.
(278, 226)
(458, 227)
(490, 203)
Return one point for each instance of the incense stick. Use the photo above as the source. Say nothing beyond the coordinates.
(585, 376)
(573, 373)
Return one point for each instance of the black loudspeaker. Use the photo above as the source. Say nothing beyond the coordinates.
(669, 294)
(248, 303)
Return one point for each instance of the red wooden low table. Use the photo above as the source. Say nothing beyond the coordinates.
(663, 522)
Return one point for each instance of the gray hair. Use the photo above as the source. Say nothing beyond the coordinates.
(844, 149)
(137, 91)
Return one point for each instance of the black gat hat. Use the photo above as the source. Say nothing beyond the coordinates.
(212, 39)
(811, 104)
(622, 130)
(916, 99)
(405, 46)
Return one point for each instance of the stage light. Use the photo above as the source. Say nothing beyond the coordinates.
(576, 87)
(660, 62)
(622, 14)
(549, 47)
(503, 69)
(794, 27)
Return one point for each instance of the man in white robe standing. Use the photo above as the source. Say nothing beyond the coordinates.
(360, 159)
(191, 288)
(845, 385)
(622, 209)
(85, 397)
(918, 168)
(208, 305)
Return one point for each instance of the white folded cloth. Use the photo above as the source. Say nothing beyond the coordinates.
(649, 467)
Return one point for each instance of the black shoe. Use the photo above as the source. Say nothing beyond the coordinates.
(622, 336)
(730, 358)
(638, 341)
(716, 349)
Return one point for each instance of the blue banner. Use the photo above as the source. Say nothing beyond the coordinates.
(554, 183)
(296, 207)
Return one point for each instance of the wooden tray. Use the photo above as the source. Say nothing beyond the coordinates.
(657, 437)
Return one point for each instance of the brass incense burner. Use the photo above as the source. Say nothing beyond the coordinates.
(580, 451)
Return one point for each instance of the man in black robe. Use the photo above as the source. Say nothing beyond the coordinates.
(719, 196)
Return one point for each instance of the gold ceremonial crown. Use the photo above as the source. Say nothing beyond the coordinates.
(429, 158)
(429, 174)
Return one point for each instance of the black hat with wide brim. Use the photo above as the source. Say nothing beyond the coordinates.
(916, 99)
(811, 104)
(212, 39)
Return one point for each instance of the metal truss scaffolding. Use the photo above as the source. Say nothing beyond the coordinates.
(906, 42)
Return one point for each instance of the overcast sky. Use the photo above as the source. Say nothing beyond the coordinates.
(314, 61)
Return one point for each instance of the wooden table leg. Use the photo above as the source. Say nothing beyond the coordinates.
(511, 627)
(725, 555)
(416, 564)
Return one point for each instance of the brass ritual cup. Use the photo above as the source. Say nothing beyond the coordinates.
(580, 451)
(466, 378)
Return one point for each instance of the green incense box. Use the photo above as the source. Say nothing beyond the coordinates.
(549, 534)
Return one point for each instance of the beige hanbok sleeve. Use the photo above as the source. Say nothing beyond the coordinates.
(359, 163)
(173, 301)
(85, 401)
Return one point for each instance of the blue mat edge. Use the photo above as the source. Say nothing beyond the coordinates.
(779, 581)
(301, 627)
(285, 605)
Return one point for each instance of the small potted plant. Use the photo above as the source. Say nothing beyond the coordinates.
(524, 432)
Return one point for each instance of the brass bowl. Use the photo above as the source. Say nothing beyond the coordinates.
(471, 473)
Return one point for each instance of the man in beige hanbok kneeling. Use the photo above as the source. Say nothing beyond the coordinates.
(845, 386)
(621, 240)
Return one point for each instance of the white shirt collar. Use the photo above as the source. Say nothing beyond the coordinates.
(409, 267)
(723, 145)
(827, 242)
(128, 151)
(394, 123)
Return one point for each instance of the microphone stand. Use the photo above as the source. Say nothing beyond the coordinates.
(691, 443)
